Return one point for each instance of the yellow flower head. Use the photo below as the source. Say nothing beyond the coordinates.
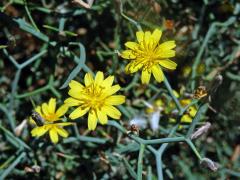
(169, 107)
(49, 113)
(149, 56)
(96, 98)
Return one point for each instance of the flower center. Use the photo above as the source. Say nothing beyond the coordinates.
(146, 56)
(94, 96)
(51, 117)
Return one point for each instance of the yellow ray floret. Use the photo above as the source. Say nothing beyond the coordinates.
(49, 113)
(149, 56)
(95, 98)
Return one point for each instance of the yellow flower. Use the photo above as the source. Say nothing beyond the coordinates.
(169, 107)
(49, 113)
(188, 69)
(95, 98)
(149, 55)
(191, 111)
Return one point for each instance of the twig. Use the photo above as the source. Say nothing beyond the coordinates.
(87, 5)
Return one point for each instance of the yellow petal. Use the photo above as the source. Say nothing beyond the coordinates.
(38, 110)
(166, 54)
(99, 77)
(147, 38)
(62, 110)
(88, 79)
(80, 111)
(112, 111)
(128, 68)
(115, 100)
(168, 64)
(140, 36)
(157, 73)
(45, 109)
(186, 118)
(128, 54)
(102, 117)
(52, 105)
(108, 81)
(146, 75)
(172, 120)
(53, 135)
(164, 50)
(185, 102)
(167, 45)
(39, 131)
(177, 95)
(75, 85)
(75, 93)
(131, 45)
(156, 35)
(62, 132)
(72, 102)
(192, 111)
(111, 90)
(64, 124)
(133, 67)
(92, 120)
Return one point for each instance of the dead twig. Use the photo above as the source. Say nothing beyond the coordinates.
(87, 5)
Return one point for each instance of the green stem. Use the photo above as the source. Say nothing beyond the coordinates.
(85, 139)
(132, 83)
(7, 162)
(49, 86)
(140, 162)
(128, 18)
(170, 90)
(158, 154)
(159, 166)
(30, 16)
(55, 92)
(12, 166)
(157, 141)
(9, 116)
(19, 141)
(32, 93)
(192, 146)
(144, 141)
(195, 101)
(149, 173)
(210, 32)
(129, 168)
(196, 119)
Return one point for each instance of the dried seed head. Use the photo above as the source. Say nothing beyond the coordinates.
(28, 170)
(36, 168)
(33, 169)
(200, 92)
(169, 24)
(202, 130)
(133, 129)
(209, 164)
(87, 5)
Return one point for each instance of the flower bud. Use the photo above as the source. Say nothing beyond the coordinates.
(209, 164)
(20, 127)
(202, 130)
